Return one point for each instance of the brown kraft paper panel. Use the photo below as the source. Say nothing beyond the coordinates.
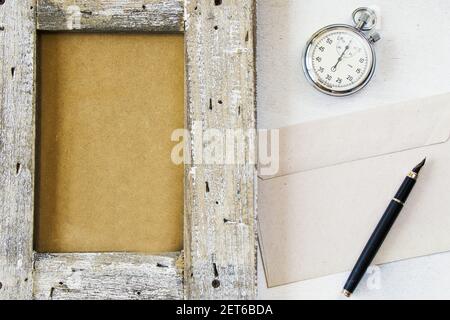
(108, 106)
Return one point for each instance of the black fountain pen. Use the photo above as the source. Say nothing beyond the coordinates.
(382, 230)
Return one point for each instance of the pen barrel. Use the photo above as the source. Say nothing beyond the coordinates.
(379, 235)
(373, 245)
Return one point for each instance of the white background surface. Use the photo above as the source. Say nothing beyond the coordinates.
(413, 61)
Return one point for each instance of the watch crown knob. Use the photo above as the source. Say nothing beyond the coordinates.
(374, 37)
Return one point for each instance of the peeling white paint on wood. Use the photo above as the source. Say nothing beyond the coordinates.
(17, 137)
(100, 276)
(111, 15)
(220, 229)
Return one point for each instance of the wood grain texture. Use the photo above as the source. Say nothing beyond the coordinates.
(220, 230)
(111, 15)
(100, 276)
(17, 136)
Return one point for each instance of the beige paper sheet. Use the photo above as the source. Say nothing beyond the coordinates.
(317, 215)
(108, 106)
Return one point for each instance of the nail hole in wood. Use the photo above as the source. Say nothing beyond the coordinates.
(210, 104)
(144, 7)
(26, 280)
(18, 166)
(160, 265)
(2, 28)
(247, 36)
(13, 71)
(217, 2)
(138, 293)
(61, 283)
(216, 283)
(207, 186)
(216, 27)
(220, 102)
(226, 220)
(217, 202)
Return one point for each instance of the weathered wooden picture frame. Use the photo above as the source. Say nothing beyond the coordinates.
(219, 257)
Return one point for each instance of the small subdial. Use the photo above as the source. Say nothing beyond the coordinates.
(346, 48)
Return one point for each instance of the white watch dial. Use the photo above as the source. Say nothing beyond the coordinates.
(339, 60)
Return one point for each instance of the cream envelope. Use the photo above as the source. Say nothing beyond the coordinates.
(337, 177)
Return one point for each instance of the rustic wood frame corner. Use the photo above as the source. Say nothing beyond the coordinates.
(219, 258)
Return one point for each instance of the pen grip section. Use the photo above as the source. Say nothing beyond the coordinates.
(405, 189)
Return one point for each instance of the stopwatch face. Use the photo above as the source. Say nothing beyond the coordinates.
(339, 60)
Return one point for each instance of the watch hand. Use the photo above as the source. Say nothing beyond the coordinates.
(341, 57)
